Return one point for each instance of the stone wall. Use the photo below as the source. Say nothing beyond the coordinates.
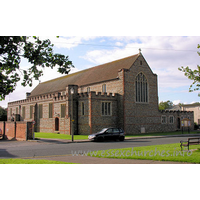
(44, 124)
(93, 120)
(137, 114)
(145, 117)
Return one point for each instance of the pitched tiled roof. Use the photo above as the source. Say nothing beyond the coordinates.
(89, 76)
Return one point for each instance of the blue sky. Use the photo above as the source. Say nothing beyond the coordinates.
(164, 55)
(97, 32)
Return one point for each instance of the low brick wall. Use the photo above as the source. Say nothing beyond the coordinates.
(16, 130)
(21, 130)
(10, 130)
(1, 130)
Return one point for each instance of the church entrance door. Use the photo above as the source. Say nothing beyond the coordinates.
(178, 123)
(56, 124)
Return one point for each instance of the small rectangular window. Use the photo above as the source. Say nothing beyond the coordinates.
(17, 110)
(106, 108)
(171, 119)
(11, 112)
(163, 119)
(82, 108)
(23, 112)
(102, 108)
(31, 112)
(104, 88)
(40, 111)
(109, 109)
(51, 110)
(63, 110)
(88, 89)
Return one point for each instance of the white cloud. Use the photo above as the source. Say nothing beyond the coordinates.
(103, 40)
(103, 56)
(68, 42)
(176, 102)
(119, 44)
(171, 78)
(164, 55)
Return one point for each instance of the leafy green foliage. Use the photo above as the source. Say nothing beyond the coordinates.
(39, 53)
(165, 105)
(192, 75)
(3, 114)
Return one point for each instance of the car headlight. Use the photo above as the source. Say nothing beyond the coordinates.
(91, 136)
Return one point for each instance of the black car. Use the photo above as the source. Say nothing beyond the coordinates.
(108, 134)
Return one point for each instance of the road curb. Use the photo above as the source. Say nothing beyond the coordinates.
(127, 138)
(162, 136)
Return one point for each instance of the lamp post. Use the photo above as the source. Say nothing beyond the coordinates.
(72, 116)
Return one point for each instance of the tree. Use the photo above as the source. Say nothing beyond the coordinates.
(3, 114)
(193, 75)
(165, 105)
(39, 53)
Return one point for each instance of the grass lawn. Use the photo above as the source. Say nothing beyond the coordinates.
(167, 152)
(60, 136)
(165, 133)
(85, 137)
(29, 161)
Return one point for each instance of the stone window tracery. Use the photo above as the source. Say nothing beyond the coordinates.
(141, 88)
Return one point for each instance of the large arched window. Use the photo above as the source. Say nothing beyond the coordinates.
(141, 88)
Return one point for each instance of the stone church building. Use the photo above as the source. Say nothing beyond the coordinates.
(122, 93)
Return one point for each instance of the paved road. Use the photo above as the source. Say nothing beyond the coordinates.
(17, 149)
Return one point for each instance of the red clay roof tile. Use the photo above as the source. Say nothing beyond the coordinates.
(89, 76)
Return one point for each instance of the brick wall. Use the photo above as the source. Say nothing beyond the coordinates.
(21, 130)
(16, 130)
(92, 120)
(2, 124)
(10, 130)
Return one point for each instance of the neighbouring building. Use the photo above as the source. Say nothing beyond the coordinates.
(195, 107)
(122, 93)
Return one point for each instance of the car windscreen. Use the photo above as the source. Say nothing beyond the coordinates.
(103, 130)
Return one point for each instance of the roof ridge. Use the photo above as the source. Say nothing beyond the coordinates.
(116, 60)
(96, 74)
(75, 73)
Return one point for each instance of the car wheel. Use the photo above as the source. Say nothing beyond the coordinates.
(121, 139)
